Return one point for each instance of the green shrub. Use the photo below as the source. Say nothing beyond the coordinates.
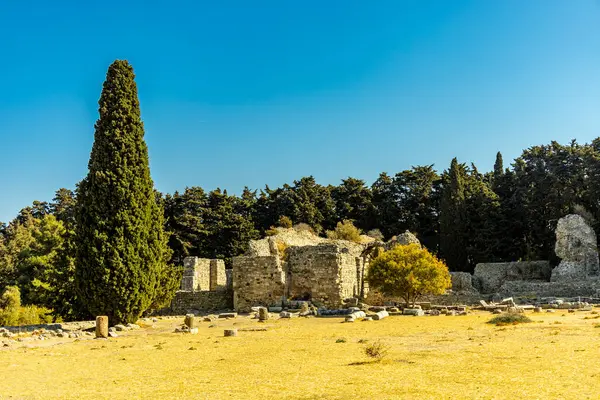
(13, 314)
(272, 231)
(11, 298)
(509, 319)
(345, 231)
(284, 222)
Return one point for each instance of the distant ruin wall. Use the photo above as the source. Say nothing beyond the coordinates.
(184, 302)
(489, 277)
(326, 273)
(589, 287)
(257, 281)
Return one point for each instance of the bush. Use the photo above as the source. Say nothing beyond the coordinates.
(345, 231)
(509, 319)
(376, 350)
(12, 314)
(272, 231)
(284, 222)
(408, 272)
(375, 234)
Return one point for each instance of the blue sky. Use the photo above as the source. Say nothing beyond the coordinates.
(237, 93)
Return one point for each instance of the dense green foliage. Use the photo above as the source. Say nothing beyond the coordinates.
(121, 248)
(12, 313)
(409, 272)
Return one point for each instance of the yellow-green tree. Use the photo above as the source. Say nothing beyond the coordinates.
(408, 272)
(345, 231)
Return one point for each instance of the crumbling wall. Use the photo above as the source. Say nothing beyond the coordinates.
(489, 277)
(576, 246)
(551, 289)
(257, 281)
(218, 277)
(326, 273)
(462, 282)
(196, 274)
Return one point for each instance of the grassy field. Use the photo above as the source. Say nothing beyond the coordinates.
(461, 357)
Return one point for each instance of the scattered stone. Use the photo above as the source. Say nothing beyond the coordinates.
(190, 321)
(230, 332)
(121, 328)
(368, 319)
(451, 313)
(380, 315)
(112, 334)
(435, 313)
(571, 310)
(550, 310)
(275, 309)
(209, 318)
(287, 314)
(305, 309)
(194, 331)
(417, 312)
(263, 314)
(393, 309)
(228, 315)
(537, 310)
(133, 326)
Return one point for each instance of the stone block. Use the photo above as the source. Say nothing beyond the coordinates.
(102, 327)
(417, 312)
(380, 315)
(230, 332)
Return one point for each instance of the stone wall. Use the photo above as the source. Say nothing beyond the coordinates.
(326, 273)
(196, 274)
(257, 281)
(589, 287)
(218, 277)
(489, 277)
(185, 302)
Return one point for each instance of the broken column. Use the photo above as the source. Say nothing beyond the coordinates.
(102, 327)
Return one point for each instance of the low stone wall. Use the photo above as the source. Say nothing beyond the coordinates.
(183, 302)
(489, 277)
(588, 287)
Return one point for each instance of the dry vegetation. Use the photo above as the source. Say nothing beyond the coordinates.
(427, 358)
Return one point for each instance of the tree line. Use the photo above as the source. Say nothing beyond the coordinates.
(60, 253)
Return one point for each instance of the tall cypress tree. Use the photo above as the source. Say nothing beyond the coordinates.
(121, 245)
(453, 241)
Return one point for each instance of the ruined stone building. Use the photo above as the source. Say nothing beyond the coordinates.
(576, 275)
(291, 265)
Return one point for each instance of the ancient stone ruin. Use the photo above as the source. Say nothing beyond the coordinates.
(298, 266)
(577, 248)
(576, 275)
(206, 285)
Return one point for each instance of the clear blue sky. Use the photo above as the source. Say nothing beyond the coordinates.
(237, 93)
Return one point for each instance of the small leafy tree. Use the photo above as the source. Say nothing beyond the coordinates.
(345, 231)
(408, 272)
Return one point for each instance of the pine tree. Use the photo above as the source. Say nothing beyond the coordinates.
(121, 245)
(453, 219)
(498, 166)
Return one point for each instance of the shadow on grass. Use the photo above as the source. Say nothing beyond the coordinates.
(372, 362)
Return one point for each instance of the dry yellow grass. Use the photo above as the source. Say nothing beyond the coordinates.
(429, 358)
